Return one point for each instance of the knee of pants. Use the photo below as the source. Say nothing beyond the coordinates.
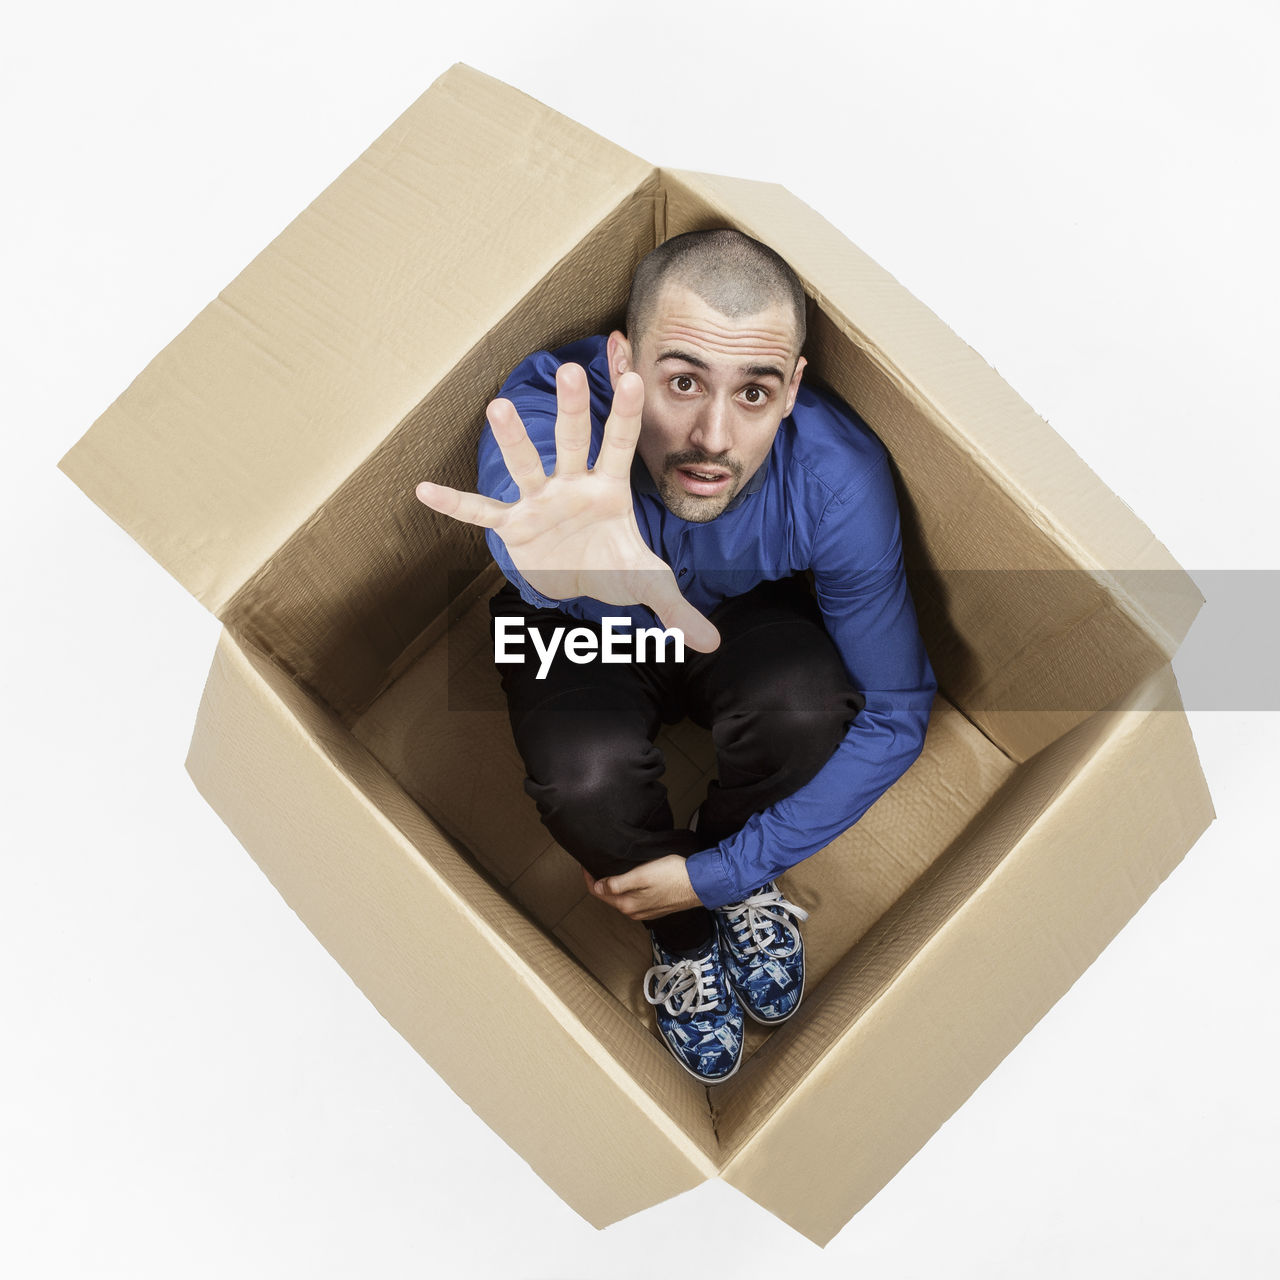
(582, 767)
(791, 726)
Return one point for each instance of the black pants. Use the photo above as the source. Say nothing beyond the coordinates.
(775, 696)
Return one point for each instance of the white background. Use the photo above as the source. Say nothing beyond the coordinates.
(189, 1085)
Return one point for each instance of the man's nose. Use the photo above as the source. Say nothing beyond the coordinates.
(711, 430)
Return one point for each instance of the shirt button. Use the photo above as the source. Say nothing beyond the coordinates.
(683, 572)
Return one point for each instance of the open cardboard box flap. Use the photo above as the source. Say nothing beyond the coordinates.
(239, 431)
(267, 457)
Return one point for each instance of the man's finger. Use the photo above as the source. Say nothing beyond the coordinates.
(622, 430)
(673, 610)
(518, 452)
(471, 508)
(573, 419)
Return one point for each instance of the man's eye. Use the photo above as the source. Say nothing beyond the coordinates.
(756, 395)
(682, 382)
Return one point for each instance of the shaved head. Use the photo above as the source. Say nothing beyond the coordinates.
(728, 270)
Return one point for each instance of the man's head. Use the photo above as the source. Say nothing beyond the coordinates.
(715, 325)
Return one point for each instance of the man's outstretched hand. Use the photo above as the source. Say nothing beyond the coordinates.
(574, 532)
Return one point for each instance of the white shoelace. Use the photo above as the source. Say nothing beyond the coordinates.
(762, 922)
(688, 986)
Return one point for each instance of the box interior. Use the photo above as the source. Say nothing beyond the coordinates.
(376, 609)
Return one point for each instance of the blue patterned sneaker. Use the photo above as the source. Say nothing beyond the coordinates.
(763, 953)
(698, 1015)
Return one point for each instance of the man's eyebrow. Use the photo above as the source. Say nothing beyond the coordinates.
(682, 355)
(750, 370)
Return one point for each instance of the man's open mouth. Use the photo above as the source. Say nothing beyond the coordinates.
(704, 482)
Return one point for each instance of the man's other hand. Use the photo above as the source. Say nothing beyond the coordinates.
(574, 532)
(648, 891)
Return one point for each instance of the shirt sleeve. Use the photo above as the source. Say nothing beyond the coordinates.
(861, 587)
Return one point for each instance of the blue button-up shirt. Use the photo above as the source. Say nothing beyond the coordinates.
(824, 500)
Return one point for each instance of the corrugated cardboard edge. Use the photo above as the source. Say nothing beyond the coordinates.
(967, 399)
(237, 432)
(1116, 827)
(281, 776)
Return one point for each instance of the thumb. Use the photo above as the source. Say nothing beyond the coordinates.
(675, 611)
(615, 885)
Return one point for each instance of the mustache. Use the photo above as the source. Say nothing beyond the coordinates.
(696, 458)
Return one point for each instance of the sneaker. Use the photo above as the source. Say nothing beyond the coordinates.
(698, 1016)
(763, 953)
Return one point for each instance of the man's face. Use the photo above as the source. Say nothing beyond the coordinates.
(715, 392)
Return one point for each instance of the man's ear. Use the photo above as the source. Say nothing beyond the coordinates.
(793, 387)
(618, 353)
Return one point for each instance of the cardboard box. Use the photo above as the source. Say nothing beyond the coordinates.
(352, 734)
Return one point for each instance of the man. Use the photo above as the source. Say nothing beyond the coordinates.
(680, 474)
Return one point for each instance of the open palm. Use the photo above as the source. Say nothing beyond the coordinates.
(574, 532)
